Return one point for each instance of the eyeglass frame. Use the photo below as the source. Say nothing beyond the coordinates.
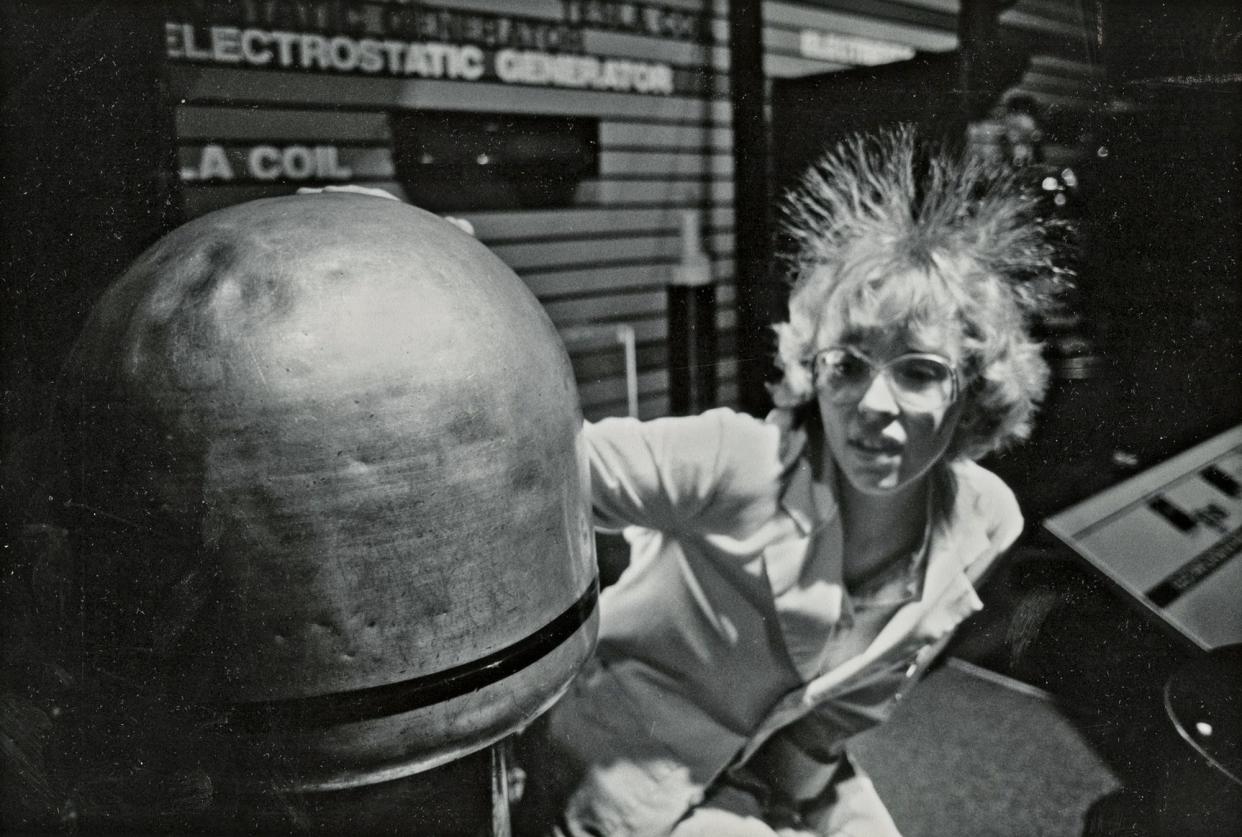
(878, 369)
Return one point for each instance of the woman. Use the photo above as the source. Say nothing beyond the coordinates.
(790, 578)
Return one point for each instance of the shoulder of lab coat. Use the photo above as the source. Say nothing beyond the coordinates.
(715, 472)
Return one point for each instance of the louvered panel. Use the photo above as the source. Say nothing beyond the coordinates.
(591, 309)
(611, 390)
(663, 164)
(653, 405)
(656, 328)
(620, 307)
(539, 223)
(666, 135)
(215, 123)
(623, 193)
(594, 251)
(610, 399)
(606, 359)
(711, 54)
(555, 283)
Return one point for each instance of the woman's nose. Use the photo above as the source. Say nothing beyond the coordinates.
(878, 397)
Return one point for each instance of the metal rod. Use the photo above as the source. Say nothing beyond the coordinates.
(500, 790)
(625, 333)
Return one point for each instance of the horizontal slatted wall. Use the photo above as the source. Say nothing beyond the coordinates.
(604, 260)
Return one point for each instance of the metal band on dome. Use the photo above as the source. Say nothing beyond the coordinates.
(426, 690)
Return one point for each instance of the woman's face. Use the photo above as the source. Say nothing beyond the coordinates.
(881, 441)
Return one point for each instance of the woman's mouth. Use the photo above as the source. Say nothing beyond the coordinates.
(875, 447)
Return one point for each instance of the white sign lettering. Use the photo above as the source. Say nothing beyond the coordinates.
(268, 163)
(583, 71)
(308, 51)
(850, 49)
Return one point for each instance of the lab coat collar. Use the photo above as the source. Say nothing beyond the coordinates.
(947, 598)
(955, 542)
(810, 504)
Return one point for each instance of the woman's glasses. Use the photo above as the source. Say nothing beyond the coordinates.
(919, 382)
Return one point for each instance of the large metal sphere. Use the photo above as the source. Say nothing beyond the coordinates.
(323, 458)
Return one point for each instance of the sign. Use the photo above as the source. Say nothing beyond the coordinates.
(312, 52)
(850, 49)
(381, 19)
(417, 21)
(638, 19)
(399, 39)
(269, 163)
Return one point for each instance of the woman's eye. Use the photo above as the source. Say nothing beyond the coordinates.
(852, 367)
(920, 371)
(848, 367)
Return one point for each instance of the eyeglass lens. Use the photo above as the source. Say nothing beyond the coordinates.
(917, 381)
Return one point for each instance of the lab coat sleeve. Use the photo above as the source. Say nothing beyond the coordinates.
(654, 474)
(693, 473)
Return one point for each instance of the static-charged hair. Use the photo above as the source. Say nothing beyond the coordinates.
(884, 225)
